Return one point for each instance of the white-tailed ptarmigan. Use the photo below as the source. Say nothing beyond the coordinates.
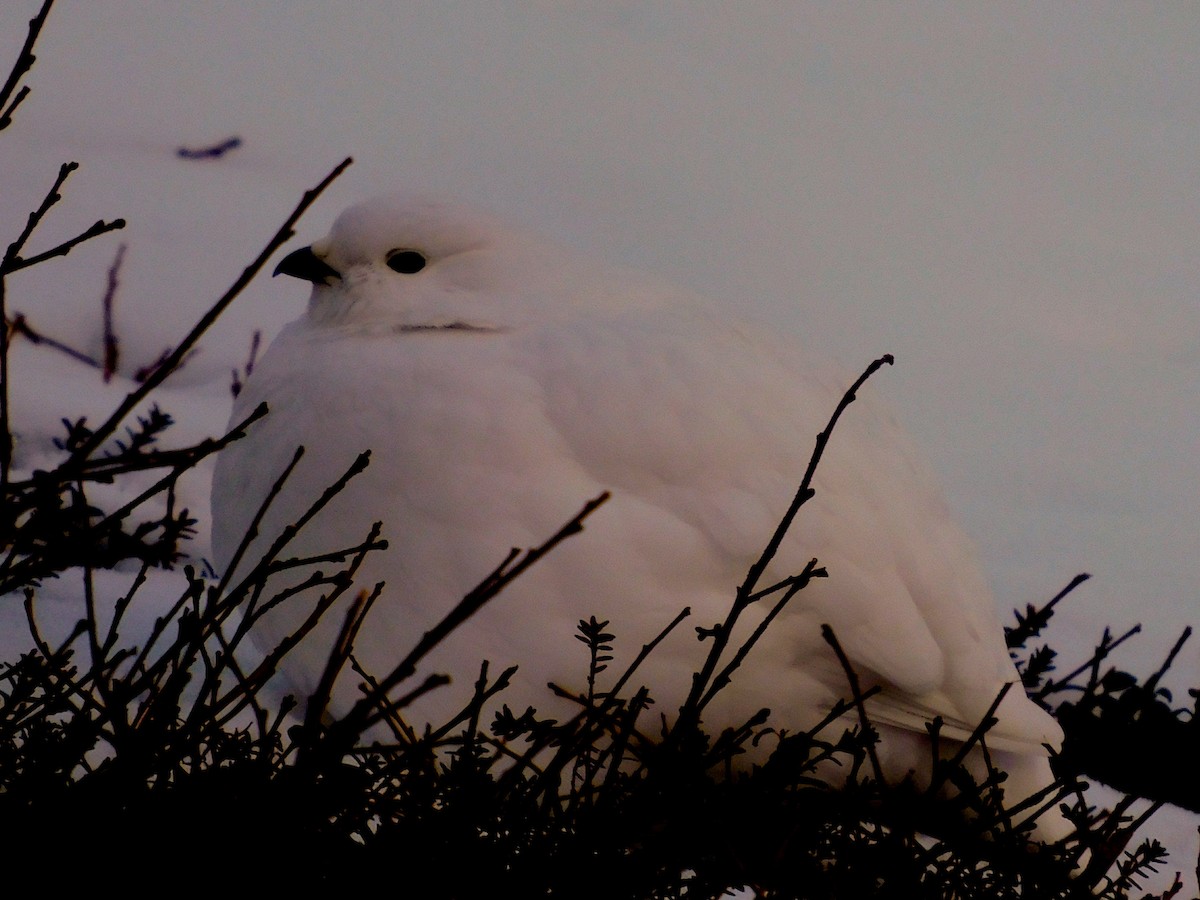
(500, 381)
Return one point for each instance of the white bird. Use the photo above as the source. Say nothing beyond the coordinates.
(500, 381)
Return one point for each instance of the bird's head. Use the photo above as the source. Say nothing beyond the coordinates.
(414, 265)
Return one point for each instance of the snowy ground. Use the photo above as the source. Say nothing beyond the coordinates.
(1005, 197)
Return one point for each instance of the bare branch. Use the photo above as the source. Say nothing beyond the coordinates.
(216, 151)
(20, 325)
(366, 712)
(746, 592)
(16, 263)
(159, 375)
(111, 348)
(858, 697)
(24, 63)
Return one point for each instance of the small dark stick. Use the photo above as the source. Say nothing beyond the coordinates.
(216, 151)
(111, 349)
(23, 64)
(255, 340)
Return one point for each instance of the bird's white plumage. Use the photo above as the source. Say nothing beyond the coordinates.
(509, 381)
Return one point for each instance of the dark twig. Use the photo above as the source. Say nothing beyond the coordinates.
(1153, 680)
(795, 585)
(1107, 646)
(367, 711)
(255, 340)
(467, 714)
(746, 592)
(216, 151)
(13, 262)
(186, 459)
(111, 348)
(341, 583)
(805, 491)
(17, 263)
(290, 531)
(575, 726)
(1034, 620)
(24, 63)
(858, 696)
(646, 650)
(10, 263)
(13, 254)
(6, 445)
(20, 325)
(318, 702)
(159, 375)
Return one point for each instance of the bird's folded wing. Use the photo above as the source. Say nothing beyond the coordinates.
(1020, 724)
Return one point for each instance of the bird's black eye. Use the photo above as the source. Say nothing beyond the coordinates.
(406, 262)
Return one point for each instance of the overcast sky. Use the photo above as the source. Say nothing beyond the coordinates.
(1005, 196)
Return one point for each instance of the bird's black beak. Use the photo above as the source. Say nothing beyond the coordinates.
(303, 263)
